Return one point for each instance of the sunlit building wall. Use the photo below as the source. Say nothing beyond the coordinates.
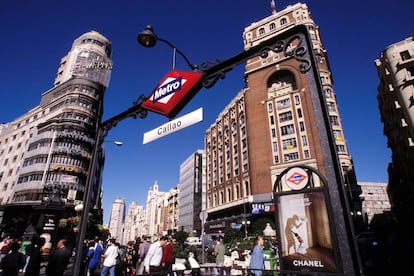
(46, 152)
(117, 220)
(395, 69)
(269, 126)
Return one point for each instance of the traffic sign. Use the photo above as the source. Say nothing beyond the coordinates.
(203, 216)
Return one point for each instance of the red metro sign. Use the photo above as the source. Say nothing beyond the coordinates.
(174, 91)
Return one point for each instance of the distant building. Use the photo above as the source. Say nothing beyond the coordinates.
(374, 199)
(173, 210)
(191, 192)
(155, 212)
(117, 220)
(395, 69)
(132, 222)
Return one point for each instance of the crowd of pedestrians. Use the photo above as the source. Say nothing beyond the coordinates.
(110, 258)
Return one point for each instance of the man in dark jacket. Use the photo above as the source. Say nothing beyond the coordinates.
(58, 260)
(13, 261)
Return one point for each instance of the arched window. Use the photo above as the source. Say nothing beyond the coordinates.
(261, 31)
(281, 80)
(272, 26)
(283, 21)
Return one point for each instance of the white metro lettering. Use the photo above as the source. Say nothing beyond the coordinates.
(167, 89)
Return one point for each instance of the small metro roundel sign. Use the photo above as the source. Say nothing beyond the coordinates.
(174, 91)
(296, 178)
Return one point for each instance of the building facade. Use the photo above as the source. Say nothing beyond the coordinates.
(374, 199)
(133, 222)
(117, 220)
(156, 212)
(395, 69)
(270, 124)
(45, 154)
(191, 192)
(278, 151)
(173, 210)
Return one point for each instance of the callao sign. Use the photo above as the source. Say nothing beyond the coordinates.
(174, 91)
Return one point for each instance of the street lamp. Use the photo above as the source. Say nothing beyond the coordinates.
(245, 223)
(148, 38)
(118, 143)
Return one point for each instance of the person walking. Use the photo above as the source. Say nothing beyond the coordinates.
(94, 255)
(36, 257)
(152, 261)
(219, 251)
(58, 259)
(12, 262)
(110, 258)
(130, 259)
(28, 249)
(142, 253)
(256, 265)
(167, 256)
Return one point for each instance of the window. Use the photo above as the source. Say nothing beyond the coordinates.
(283, 104)
(261, 31)
(285, 116)
(272, 26)
(334, 120)
(405, 55)
(340, 148)
(288, 129)
(304, 140)
(331, 106)
(328, 93)
(297, 100)
(289, 143)
(291, 156)
(283, 21)
(337, 134)
(274, 144)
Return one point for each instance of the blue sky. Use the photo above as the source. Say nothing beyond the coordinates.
(35, 35)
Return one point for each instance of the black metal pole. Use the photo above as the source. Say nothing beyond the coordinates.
(87, 197)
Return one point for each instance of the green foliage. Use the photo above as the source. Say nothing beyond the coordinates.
(180, 237)
(231, 235)
(209, 257)
(182, 251)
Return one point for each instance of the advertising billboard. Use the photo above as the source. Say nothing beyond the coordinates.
(305, 235)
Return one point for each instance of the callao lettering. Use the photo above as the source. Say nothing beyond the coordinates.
(167, 89)
(169, 127)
